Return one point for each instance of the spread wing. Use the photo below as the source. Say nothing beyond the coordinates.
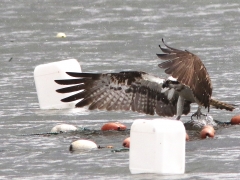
(132, 90)
(189, 70)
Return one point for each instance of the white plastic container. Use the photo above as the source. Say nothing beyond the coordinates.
(44, 76)
(157, 146)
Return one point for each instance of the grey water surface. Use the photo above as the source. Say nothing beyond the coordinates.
(110, 36)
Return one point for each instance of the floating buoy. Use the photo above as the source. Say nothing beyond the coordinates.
(63, 128)
(207, 131)
(113, 126)
(235, 120)
(82, 144)
(126, 142)
(61, 35)
(187, 137)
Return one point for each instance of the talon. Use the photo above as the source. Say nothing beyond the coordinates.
(198, 115)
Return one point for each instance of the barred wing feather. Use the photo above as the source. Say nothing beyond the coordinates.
(128, 90)
(189, 70)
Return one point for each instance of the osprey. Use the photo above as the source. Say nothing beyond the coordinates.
(144, 93)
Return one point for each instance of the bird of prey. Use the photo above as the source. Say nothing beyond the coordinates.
(144, 93)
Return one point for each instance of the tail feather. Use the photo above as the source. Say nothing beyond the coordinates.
(221, 105)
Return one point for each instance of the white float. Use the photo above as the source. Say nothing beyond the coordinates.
(44, 76)
(82, 144)
(61, 35)
(63, 128)
(157, 146)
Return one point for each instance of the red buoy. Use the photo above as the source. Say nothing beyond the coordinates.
(207, 131)
(113, 126)
(126, 142)
(187, 137)
(235, 120)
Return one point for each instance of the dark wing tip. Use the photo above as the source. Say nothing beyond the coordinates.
(58, 81)
(160, 65)
(165, 44)
(58, 90)
(66, 100)
(160, 47)
(163, 56)
(70, 98)
(71, 74)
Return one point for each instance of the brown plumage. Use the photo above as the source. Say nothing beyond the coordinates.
(144, 93)
(221, 105)
(124, 91)
(189, 70)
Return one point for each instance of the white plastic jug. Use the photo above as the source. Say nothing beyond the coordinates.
(44, 76)
(157, 146)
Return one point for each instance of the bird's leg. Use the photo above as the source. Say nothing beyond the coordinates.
(198, 113)
(180, 105)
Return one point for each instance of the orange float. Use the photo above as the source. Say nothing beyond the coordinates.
(126, 142)
(207, 131)
(187, 137)
(113, 126)
(235, 120)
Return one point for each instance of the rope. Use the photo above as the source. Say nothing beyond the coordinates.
(84, 130)
(222, 123)
(120, 150)
(40, 134)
